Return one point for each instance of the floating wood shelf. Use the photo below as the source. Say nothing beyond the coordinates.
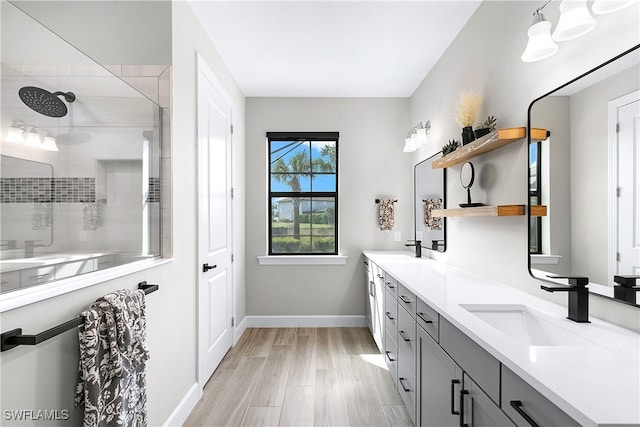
(500, 210)
(538, 210)
(487, 143)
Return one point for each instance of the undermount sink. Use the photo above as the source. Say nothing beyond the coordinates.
(527, 326)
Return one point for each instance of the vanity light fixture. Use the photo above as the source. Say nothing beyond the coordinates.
(540, 44)
(417, 137)
(31, 136)
(602, 7)
(575, 20)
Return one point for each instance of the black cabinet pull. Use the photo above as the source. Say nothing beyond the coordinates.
(517, 405)
(401, 381)
(390, 286)
(453, 385)
(424, 319)
(463, 392)
(206, 267)
(388, 353)
(380, 276)
(389, 316)
(403, 335)
(405, 299)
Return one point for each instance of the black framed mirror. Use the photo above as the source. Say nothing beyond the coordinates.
(429, 186)
(586, 172)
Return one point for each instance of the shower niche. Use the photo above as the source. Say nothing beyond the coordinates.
(81, 159)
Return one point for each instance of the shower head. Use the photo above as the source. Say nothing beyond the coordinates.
(45, 102)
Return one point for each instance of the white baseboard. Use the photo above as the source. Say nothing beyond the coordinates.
(184, 408)
(239, 330)
(304, 321)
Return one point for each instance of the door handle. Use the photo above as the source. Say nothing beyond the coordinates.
(206, 267)
(517, 405)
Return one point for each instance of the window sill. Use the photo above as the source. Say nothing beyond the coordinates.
(545, 259)
(303, 260)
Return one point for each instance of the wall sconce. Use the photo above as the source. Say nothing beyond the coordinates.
(417, 137)
(575, 21)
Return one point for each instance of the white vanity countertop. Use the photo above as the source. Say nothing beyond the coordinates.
(595, 384)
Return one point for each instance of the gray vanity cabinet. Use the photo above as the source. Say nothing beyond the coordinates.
(447, 393)
(439, 384)
(527, 407)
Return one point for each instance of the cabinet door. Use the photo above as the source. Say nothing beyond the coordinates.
(378, 311)
(527, 407)
(369, 296)
(439, 383)
(478, 410)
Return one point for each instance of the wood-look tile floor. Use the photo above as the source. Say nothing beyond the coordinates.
(301, 377)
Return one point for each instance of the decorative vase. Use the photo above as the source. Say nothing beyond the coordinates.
(467, 135)
(481, 132)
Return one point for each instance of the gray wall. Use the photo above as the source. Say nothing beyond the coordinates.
(486, 57)
(43, 377)
(371, 165)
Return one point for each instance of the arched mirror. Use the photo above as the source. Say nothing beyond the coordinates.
(586, 173)
(429, 194)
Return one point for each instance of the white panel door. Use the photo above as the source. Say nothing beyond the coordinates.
(629, 189)
(215, 288)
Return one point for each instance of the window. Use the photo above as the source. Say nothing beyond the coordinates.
(535, 197)
(303, 193)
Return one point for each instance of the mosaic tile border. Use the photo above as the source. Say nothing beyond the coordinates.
(59, 190)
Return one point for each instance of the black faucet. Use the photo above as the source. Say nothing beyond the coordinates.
(578, 297)
(418, 245)
(627, 289)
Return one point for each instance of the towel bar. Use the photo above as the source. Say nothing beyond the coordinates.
(378, 201)
(14, 337)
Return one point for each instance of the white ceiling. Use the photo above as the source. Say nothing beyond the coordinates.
(331, 48)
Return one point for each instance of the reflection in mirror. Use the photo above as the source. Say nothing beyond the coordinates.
(586, 173)
(80, 184)
(430, 193)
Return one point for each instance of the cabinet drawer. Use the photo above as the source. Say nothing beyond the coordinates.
(391, 285)
(407, 388)
(474, 360)
(390, 313)
(35, 276)
(391, 354)
(407, 300)
(407, 339)
(10, 280)
(530, 403)
(106, 261)
(428, 318)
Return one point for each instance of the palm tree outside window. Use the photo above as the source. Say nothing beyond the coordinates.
(303, 193)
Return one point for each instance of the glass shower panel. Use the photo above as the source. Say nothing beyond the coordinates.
(94, 202)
